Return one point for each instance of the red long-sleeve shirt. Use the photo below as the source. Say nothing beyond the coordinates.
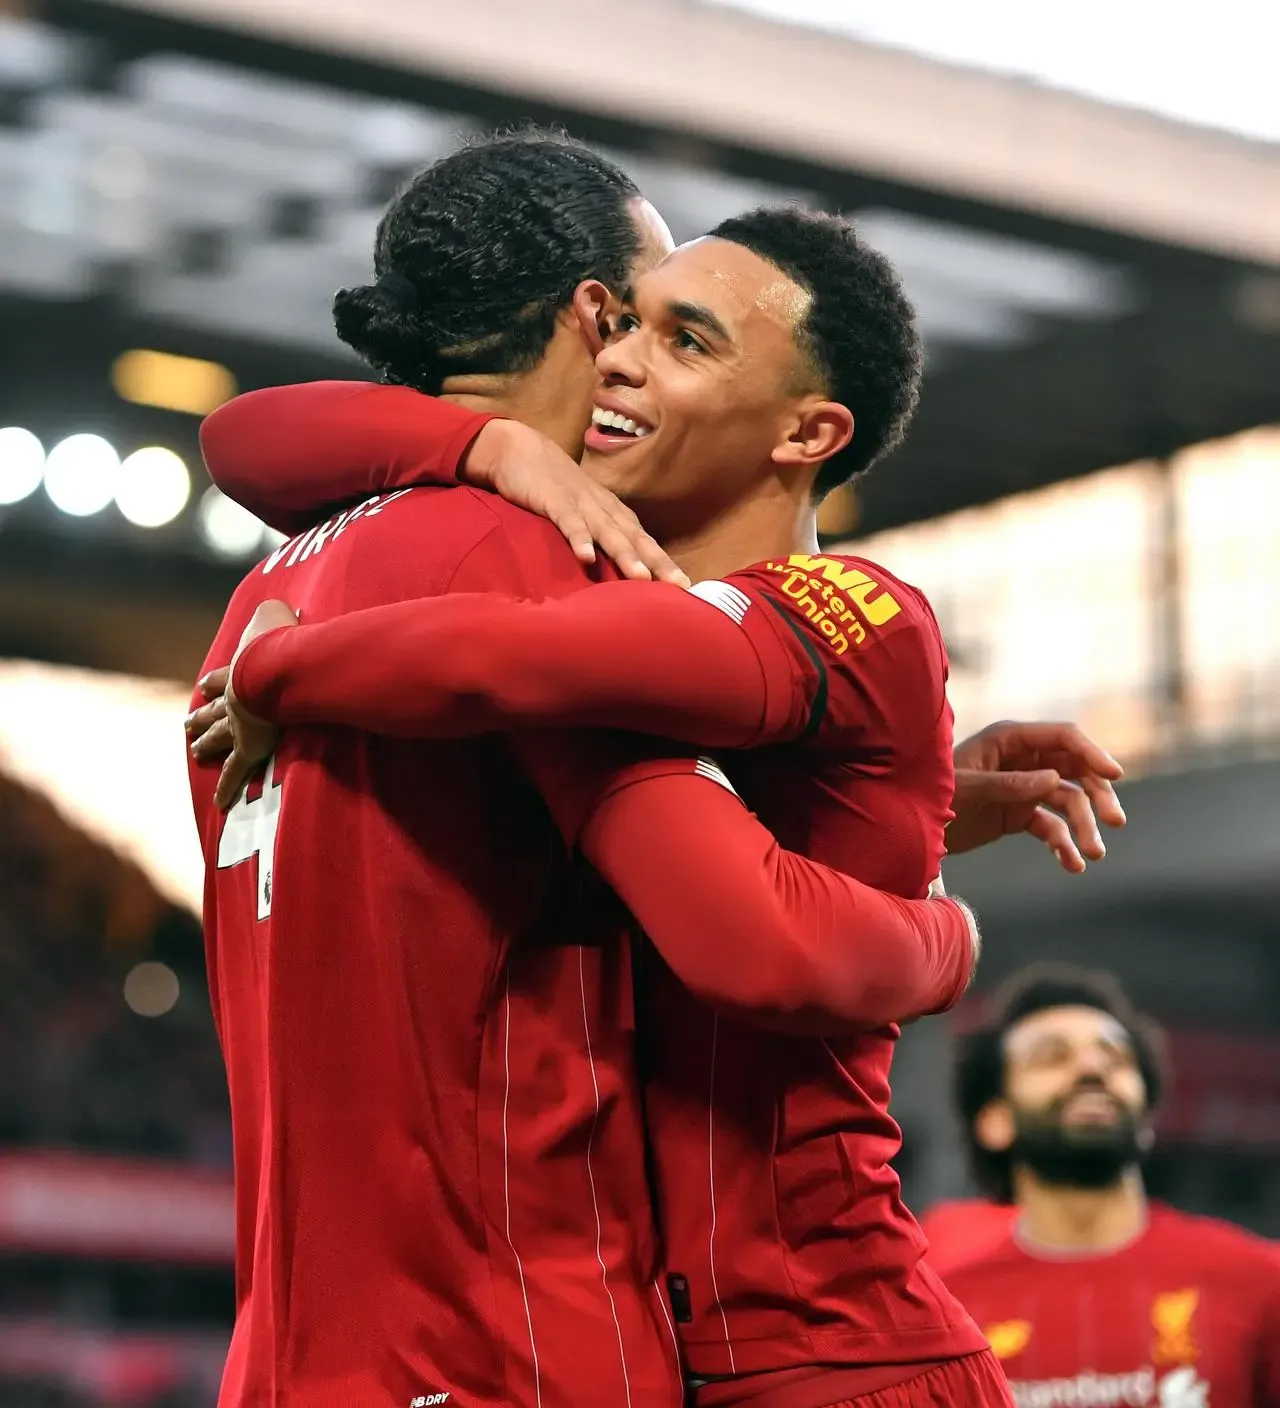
(429, 1051)
(778, 1132)
(292, 455)
(742, 922)
(629, 655)
(1187, 1315)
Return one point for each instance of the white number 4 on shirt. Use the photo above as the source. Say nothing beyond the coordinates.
(250, 833)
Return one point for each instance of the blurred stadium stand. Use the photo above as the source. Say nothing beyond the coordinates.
(1089, 498)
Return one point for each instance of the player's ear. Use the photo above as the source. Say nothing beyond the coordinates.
(596, 309)
(993, 1127)
(817, 431)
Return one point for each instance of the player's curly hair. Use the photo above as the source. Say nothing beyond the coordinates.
(480, 251)
(979, 1065)
(860, 332)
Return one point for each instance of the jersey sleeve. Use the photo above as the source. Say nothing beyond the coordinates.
(747, 926)
(770, 655)
(289, 454)
(641, 656)
(872, 650)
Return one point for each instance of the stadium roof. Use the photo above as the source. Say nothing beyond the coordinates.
(204, 189)
(1140, 64)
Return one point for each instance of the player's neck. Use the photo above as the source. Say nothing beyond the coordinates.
(1079, 1220)
(552, 398)
(772, 523)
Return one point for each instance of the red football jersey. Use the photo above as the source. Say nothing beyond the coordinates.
(782, 1219)
(961, 1230)
(1186, 1316)
(786, 1236)
(439, 1151)
(865, 779)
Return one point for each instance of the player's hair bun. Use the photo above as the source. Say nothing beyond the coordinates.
(382, 324)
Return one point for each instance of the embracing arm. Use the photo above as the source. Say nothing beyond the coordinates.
(648, 658)
(747, 926)
(290, 453)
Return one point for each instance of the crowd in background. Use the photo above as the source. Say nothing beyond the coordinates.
(78, 1068)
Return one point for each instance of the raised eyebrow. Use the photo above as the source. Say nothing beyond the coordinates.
(700, 317)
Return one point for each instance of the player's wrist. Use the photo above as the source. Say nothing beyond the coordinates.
(975, 936)
(481, 464)
(255, 680)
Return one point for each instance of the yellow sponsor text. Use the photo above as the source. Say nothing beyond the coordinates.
(838, 600)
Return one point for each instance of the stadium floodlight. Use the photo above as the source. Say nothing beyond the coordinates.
(81, 474)
(231, 531)
(21, 464)
(153, 488)
(190, 385)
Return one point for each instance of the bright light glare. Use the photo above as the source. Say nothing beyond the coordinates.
(149, 821)
(231, 531)
(21, 464)
(151, 989)
(154, 487)
(172, 383)
(80, 475)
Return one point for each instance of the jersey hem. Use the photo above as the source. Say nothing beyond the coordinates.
(837, 1348)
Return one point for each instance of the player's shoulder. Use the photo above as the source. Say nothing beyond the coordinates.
(1216, 1241)
(509, 519)
(979, 1265)
(853, 619)
(849, 600)
(522, 552)
(961, 1229)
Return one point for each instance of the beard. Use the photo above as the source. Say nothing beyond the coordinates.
(1088, 1156)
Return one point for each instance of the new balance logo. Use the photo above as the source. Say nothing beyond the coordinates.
(427, 1400)
(713, 772)
(724, 597)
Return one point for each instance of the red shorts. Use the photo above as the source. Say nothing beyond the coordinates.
(976, 1381)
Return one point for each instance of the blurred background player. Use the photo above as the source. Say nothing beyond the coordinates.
(1094, 1294)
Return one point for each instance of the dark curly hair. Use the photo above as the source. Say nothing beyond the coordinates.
(860, 332)
(480, 251)
(980, 1061)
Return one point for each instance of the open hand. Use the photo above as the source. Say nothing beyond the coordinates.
(222, 726)
(1047, 779)
(529, 470)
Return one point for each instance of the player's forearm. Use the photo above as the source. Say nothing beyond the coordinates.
(289, 453)
(638, 656)
(767, 934)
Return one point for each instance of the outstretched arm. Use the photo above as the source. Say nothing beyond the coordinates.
(747, 926)
(630, 655)
(757, 930)
(457, 665)
(291, 453)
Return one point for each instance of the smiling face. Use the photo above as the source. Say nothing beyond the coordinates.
(707, 394)
(1074, 1109)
